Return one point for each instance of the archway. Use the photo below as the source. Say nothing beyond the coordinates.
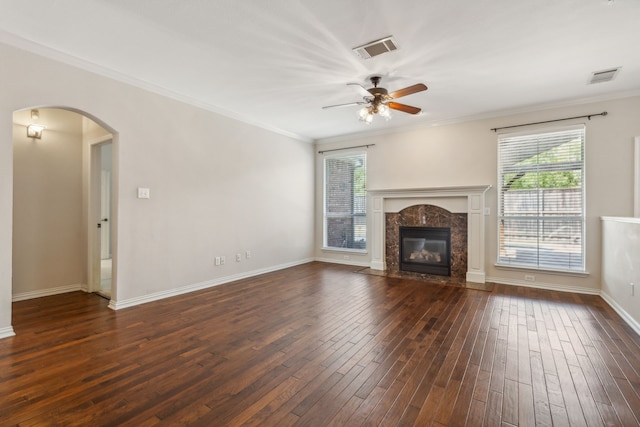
(54, 203)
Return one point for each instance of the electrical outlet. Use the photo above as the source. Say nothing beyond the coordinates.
(529, 277)
(347, 257)
(238, 257)
(633, 289)
(217, 260)
(223, 260)
(247, 254)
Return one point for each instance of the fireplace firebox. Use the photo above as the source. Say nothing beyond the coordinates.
(426, 250)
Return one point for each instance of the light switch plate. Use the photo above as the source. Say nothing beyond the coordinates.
(143, 193)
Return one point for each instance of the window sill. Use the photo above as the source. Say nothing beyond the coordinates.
(351, 251)
(542, 270)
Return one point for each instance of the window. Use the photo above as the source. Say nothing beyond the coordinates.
(345, 201)
(541, 199)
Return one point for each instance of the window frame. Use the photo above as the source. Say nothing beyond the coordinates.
(539, 215)
(325, 216)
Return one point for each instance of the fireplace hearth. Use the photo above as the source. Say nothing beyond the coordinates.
(425, 250)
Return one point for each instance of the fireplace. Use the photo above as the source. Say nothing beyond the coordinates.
(426, 250)
(460, 208)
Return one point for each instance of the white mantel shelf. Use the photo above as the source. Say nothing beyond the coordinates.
(473, 203)
(453, 191)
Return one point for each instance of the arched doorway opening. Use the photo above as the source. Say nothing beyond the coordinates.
(64, 191)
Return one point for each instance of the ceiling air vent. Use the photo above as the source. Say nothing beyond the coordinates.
(603, 76)
(376, 48)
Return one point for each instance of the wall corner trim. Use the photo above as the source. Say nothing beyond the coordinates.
(7, 332)
(633, 323)
(48, 292)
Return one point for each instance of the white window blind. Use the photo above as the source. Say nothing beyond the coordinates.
(345, 201)
(541, 199)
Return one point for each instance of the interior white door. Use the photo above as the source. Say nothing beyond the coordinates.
(101, 202)
(105, 215)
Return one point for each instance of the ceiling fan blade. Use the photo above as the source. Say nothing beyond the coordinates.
(404, 108)
(349, 104)
(419, 87)
(361, 89)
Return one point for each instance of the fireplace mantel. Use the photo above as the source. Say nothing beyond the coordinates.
(469, 199)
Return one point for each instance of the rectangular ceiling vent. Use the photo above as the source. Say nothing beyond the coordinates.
(603, 76)
(376, 48)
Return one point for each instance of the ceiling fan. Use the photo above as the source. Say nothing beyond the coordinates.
(377, 100)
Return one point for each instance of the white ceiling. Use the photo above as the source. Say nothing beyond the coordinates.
(275, 63)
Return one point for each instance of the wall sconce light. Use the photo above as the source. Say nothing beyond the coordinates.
(35, 131)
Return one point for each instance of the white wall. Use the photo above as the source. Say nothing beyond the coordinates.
(218, 186)
(621, 266)
(48, 245)
(466, 154)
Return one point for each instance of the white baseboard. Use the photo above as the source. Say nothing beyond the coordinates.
(633, 323)
(548, 286)
(6, 332)
(344, 262)
(47, 292)
(116, 305)
(618, 309)
(131, 302)
(378, 265)
(476, 277)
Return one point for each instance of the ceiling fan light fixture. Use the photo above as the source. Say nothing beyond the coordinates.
(377, 100)
(366, 115)
(384, 111)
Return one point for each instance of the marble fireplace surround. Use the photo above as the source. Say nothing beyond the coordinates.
(467, 199)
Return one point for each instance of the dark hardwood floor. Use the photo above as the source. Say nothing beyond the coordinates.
(320, 345)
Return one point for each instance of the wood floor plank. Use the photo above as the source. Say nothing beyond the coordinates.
(449, 373)
(475, 416)
(526, 406)
(322, 344)
(539, 387)
(510, 402)
(569, 394)
(493, 411)
(606, 380)
(463, 377)
(559, 416)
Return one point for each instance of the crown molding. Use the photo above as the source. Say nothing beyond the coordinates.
(535, 108)
(58, 56)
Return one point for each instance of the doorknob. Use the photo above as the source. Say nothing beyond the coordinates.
(105, 219)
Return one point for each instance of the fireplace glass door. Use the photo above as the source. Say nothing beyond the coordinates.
(425, 250)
